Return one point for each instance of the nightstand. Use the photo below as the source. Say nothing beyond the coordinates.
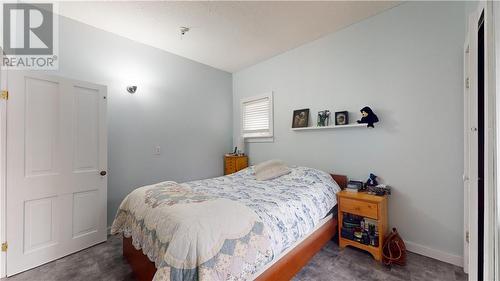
(371, 207)
(234, 163)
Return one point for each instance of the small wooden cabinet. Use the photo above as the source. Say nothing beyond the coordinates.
(234, 163)
(366, 205)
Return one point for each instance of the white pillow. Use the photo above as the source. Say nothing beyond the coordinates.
(271, 169)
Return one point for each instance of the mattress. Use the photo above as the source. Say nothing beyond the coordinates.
(290, 206)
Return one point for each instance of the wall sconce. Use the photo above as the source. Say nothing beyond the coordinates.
(131, 89)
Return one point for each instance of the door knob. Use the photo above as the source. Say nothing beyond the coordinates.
(103, 173)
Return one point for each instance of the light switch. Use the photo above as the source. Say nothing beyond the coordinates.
(157, 150)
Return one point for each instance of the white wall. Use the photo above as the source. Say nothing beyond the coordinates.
(406, 64)
(181, 105)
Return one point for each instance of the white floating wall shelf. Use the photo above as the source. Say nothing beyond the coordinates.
(330, 127)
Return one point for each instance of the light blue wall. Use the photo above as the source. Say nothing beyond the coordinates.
(181, 105)
(406, 64)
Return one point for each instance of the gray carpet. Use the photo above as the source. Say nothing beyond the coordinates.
(105, 262)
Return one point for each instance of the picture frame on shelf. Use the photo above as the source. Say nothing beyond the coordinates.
(300, 118)
(323, 118)
(341, 118)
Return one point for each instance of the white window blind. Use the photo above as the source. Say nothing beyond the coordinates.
(256, 114)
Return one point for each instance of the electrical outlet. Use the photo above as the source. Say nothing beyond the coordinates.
(157, 150)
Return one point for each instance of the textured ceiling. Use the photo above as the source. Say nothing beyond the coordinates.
(227, 35)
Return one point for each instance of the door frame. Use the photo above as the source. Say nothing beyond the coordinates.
(490, 146)
(466, 174)
(3, 171)
(470, 173)
(496, 237)
(490, 157)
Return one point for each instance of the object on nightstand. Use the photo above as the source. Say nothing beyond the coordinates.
(354, 186)
(379, 190)
(372, 180)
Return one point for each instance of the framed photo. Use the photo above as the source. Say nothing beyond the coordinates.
(323, 118)
(341, 118)
(300, 118)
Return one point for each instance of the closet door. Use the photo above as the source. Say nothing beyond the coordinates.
(56, 168)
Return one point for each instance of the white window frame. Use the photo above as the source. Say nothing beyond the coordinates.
(258, 136)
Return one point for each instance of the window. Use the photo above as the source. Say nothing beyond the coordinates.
(257, 116)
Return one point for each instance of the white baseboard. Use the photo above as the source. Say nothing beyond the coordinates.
(435, 254)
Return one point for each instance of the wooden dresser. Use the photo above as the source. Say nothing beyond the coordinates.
(234, 163)
(368, 206)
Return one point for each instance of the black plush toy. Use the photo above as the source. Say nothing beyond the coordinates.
(372, 180)
(368, 117)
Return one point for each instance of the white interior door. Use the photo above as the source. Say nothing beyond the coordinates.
(56, 151)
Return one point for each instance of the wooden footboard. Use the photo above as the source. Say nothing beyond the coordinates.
(284, 269)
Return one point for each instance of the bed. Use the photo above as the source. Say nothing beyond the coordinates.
(228, 228)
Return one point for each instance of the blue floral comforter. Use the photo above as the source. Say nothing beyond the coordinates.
(290, 206)
(184, 228)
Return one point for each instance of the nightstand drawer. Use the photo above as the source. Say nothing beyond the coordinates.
(241, 163)
(360, 208)
(230, 165)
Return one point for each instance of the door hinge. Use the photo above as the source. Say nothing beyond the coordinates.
(5, 246)
(467, 84)
(4, 95)
(467, 236)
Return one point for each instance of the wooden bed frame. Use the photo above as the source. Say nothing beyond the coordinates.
(284, 269)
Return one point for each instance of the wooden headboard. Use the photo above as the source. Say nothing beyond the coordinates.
(341, 180)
